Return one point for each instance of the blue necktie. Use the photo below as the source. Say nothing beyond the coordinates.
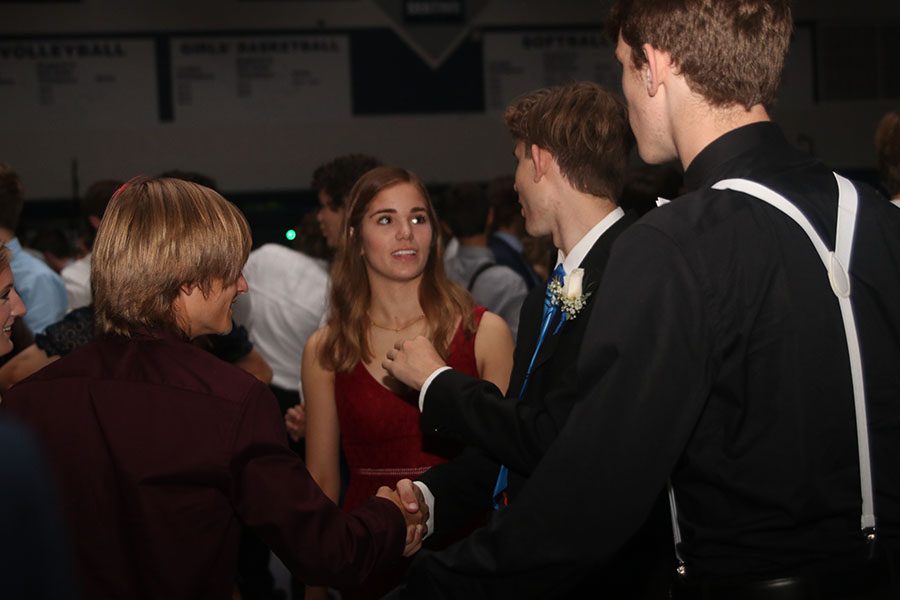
(550, 312)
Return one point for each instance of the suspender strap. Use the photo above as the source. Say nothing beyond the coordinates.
(836, 264)
(676, 530)
(478, 273)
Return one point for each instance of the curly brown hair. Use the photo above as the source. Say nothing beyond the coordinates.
(337, 176)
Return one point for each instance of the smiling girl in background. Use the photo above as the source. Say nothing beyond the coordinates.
(388, 283)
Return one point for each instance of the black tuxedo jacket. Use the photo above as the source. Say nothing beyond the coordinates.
(517, 433)
(504, 430)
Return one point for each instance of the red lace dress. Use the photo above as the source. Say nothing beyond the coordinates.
(381, 438)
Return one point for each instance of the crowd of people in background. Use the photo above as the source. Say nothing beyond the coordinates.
(557, 383)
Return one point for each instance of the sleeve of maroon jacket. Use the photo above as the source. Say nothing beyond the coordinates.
(275, 494)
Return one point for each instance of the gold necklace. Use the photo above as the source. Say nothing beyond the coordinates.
(396, 329)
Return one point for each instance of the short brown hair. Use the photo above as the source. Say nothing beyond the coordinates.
(887, 147)
(11, 197)
(729, 51)
(583, 126)
(157, 235)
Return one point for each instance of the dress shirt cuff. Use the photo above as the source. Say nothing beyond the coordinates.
(429, 500)
(428, 381)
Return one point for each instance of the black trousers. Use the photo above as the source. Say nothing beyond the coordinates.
(875, 579)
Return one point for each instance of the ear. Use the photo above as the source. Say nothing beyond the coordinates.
(657, 68)
(541, 159)
(187, 289)
(351, 232)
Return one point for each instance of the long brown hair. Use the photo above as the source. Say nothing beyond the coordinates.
(443, 302)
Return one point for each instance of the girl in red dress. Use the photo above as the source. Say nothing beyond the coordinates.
(388, 283)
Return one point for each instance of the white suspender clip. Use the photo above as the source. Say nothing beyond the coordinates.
(837, 275)
(870, 534)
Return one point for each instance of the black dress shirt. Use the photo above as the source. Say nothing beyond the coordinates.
(716, 357)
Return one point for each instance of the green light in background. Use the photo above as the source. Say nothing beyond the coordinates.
(290, 234)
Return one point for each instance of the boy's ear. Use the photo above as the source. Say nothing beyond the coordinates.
(541, 159)
(657, 68)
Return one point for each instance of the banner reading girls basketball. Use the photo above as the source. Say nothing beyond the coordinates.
(260, 79)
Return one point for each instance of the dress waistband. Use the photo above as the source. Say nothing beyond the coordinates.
(400, 472)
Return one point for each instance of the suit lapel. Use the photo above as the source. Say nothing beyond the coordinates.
(593, 264)
(529, 328)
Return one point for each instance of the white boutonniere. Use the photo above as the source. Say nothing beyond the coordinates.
(569, 297)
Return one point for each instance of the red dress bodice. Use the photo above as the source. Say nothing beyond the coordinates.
(380, 432)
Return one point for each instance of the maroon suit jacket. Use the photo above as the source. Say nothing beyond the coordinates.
(161, 450)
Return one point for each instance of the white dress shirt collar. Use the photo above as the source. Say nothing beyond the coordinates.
(584, 245)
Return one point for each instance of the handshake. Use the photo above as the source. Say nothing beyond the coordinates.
(409, 499)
